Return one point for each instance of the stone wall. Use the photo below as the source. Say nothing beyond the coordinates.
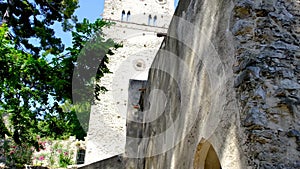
(267, 39)
(107, 125)
(194, 70)
(106, 135)
(230, 73)
(109, 163)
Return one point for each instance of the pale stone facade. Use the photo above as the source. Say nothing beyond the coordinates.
(138, 33)
(230, 71)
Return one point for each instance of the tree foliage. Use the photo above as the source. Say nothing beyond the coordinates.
(37, 81)
(34, 18)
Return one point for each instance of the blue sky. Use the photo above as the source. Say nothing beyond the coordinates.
(90, 9)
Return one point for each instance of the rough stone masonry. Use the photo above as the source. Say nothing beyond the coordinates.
(230, 72)
(267, 40)
(257, 125)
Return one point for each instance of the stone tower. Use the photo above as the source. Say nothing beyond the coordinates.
(136, 26)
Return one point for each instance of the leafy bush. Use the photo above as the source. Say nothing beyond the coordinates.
(16, 155)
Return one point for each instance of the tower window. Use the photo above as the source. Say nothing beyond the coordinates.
(128, 16)
(154, 20)
(149, 19)
(123, 14)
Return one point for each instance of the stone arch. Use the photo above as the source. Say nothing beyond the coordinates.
(206, 157)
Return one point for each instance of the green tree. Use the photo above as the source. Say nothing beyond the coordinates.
(34, 18)
(35, 91)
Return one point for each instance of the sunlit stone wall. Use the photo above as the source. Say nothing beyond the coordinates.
(107, 126)
(230, 74)
(223, 88)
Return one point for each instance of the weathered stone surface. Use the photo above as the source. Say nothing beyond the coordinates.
(255, 118)
(293, 133)
(106, 136)
(243, 9)
(243, 27)
(260, 93)
(251, 115)
(279, 45)
(277, 42)
(115, 162)
(288, 73)
(267, 5)
(255, 71)
(265, 47)
(289, 84)
(241, 78)
(212, 16)
(272, 54)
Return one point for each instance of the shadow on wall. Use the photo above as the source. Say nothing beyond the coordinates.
(206, 156)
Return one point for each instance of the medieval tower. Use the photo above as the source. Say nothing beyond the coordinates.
(136, 25)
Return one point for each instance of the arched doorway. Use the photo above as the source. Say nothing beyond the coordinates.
(206, 157)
